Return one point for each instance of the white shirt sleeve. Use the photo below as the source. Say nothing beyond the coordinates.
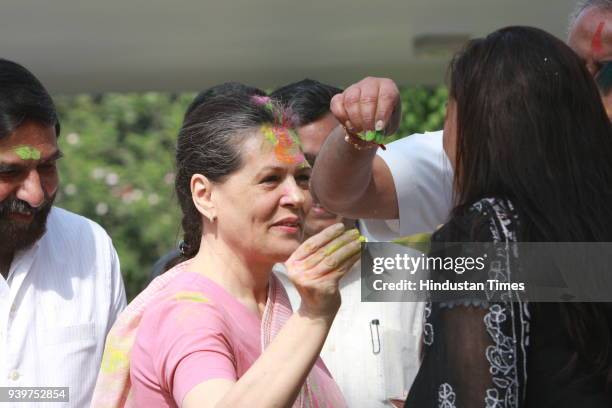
(423, 178)
(117, 289)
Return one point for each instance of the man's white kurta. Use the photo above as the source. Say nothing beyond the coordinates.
(61, 298)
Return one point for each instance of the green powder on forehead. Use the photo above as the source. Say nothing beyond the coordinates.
(27, 152)
(304, 165)
(269, 134)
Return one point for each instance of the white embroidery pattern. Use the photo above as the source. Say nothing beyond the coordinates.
(511, 314)
(446, 396)
(502, 355)
(492, 399)
(428, 331)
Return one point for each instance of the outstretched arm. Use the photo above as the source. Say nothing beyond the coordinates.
(348, 178)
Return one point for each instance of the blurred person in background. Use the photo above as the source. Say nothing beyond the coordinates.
(590, 36)
(379, 340)
(61, 287)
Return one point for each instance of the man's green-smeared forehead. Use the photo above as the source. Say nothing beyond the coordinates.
(26, 152)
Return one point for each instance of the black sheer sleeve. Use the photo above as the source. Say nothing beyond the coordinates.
(475, 352)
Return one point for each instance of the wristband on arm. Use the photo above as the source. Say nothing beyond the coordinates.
(369, 140)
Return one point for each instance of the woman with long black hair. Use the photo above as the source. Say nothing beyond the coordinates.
(531, 147)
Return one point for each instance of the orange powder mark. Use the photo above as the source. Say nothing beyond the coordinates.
(287, 149)
(286, 144)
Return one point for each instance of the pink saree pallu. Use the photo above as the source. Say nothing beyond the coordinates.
(113, 387)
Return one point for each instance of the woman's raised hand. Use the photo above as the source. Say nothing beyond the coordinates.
(316, 267)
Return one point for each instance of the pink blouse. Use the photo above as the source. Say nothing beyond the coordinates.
(193, 331)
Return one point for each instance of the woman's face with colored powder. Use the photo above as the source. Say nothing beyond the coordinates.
(262, 206)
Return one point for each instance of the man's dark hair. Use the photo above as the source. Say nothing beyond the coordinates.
(308, 100)
(23, 98)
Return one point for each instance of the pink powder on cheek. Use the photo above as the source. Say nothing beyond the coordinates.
(596, 44)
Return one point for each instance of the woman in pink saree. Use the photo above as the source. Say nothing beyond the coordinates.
(218, 329)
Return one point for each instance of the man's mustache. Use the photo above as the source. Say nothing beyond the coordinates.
(15, 205)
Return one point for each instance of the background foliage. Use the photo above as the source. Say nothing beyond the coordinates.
(119, 166)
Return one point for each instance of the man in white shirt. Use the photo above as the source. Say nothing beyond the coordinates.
(407, 188)
(422, 178)
(403, 190)
(372, 349)
(61, 288)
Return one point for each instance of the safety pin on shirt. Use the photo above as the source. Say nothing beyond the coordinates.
(375, 343)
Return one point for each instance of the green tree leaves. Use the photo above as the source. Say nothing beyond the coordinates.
(119, 171)
(423, 109)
